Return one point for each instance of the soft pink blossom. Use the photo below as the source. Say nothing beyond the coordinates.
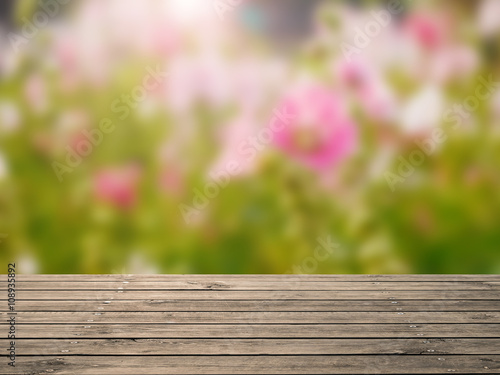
(172, 180)
(453, 62)
(430, 51)
(321, 134)
(66, 57)
(354, 75)
(429, 30)
(234, 140)
(68, 129)
(487, 17)
(36, 93)
(205, 78)
(118, 186)
(368, 88)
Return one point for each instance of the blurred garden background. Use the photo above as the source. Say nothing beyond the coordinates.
(200, 136)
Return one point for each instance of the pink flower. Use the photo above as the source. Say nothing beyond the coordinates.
(321, 134)
(453, 62)
(66, 55)
(367, 87)
(430, 31)
(354, 74)
(36, 93)
(432, 50)
(172, 180)
(118, 186)
(487, 17)
(233, 140)
(206, 78)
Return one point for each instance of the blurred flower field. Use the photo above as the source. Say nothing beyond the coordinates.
(193, 136)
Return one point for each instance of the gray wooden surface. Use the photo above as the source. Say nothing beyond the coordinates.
(254, 324)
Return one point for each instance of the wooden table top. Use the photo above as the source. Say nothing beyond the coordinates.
(253, 324)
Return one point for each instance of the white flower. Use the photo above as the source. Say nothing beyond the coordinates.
(28, 264)
(3, 167)
(206, 78)
(424, 110)
(487, 17)
(9, 116)
(139, 264)
(495, 104)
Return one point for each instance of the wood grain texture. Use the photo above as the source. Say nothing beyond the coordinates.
(258, 285)
(282, 278)
(254, 324)
(221, 346)
(119, 294)
(255, 317)
(322, 331)
(265, 305)
(159, 365)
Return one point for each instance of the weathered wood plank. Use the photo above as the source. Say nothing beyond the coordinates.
(185, 324)
(261, 305)
(320, 331)
(280, 278)
(254, 317)
(125, 365)
(254, 295)
(256, 285)
(63, 347)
